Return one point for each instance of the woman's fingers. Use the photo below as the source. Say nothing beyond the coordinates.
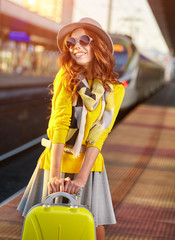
(58, 185)
(66, 183)
(73, 187)
(61, 185)
(54, 185)
(69, 187)
(50, 187)
(77, 189)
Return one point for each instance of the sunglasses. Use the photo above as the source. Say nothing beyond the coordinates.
(84, 41)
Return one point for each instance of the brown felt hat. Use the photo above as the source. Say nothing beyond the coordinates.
(87, 23)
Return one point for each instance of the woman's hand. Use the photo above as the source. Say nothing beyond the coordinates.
(65, 185)
(57, 185)
(73, 186)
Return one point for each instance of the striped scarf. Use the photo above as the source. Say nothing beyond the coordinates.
(88, 100)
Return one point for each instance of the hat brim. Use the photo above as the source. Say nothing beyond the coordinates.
(65, 30)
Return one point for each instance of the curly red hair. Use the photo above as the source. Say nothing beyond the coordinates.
(102, 67)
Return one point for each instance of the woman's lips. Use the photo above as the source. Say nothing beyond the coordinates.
(79, 54)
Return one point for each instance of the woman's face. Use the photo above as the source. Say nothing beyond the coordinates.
(82, 55)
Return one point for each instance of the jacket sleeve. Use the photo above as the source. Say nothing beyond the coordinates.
(119, 93)
(62, 112)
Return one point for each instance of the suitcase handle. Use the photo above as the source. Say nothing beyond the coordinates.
(49, 199)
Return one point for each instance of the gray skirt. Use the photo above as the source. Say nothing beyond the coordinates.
(95, 195)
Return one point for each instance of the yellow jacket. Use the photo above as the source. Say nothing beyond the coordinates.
(59, 125)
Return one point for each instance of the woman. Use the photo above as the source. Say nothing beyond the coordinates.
(86, 100)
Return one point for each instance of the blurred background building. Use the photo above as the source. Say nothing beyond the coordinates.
(28, 30)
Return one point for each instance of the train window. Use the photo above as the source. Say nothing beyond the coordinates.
(121, 59)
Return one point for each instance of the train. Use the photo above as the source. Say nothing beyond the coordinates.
(140, 75)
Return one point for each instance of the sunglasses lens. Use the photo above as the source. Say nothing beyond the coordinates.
(70, 43)
(84, 40)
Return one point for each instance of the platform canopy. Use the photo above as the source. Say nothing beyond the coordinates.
(164, 12)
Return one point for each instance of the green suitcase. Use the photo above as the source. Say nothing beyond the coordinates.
(50, 221)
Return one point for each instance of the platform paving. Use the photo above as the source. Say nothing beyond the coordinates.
(140, 155)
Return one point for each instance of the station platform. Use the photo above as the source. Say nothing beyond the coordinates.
(140, 161)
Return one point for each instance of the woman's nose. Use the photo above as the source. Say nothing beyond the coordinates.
(77, 45)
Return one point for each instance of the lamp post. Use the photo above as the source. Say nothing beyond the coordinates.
(109, 16)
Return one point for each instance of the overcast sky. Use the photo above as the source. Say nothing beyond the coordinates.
(132, 17)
